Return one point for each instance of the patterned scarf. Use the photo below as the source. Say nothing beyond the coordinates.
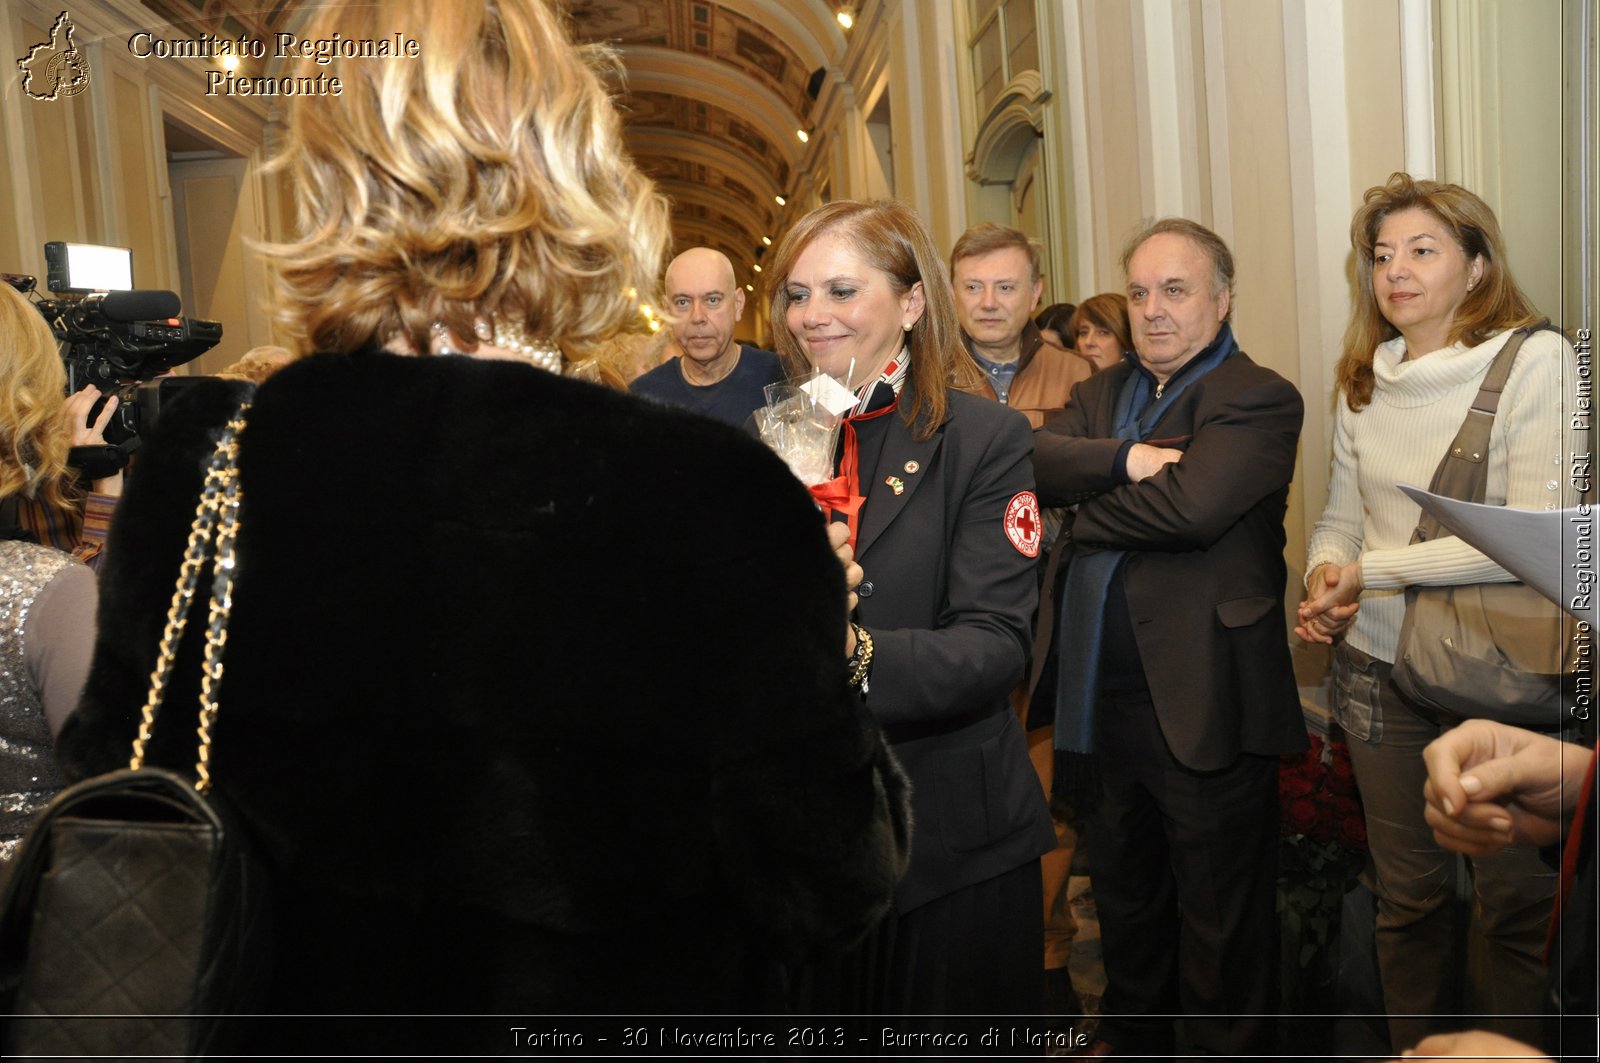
(842, 494)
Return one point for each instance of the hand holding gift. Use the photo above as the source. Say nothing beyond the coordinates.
(800, 422)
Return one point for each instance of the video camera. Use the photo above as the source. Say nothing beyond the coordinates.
(115, 336)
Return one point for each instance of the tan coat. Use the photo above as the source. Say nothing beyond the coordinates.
(1044, 381)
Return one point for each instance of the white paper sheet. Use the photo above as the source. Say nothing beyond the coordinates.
(1552, 551)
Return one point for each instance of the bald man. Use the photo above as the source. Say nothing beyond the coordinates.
(714, 376)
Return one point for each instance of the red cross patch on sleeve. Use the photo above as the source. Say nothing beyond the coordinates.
(1023, 526)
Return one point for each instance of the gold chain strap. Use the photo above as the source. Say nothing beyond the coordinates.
(216, 518)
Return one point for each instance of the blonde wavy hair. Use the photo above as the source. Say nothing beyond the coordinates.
(484, 179)
(34, 435)
(258, 363)
(892, 239)
(1494, 304)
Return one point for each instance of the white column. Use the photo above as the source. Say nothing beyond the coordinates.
(1416, 70)
(1066, 134)
(1168, 118)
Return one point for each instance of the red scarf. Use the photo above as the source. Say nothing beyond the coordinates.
(842, 494)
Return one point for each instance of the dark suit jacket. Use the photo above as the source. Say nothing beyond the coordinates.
(1205, 575)
(949, 602)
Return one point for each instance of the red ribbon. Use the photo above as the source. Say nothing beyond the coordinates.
(1569, 856)
(842, 494)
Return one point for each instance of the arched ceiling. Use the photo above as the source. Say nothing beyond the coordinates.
(712, 95)
(713, 98)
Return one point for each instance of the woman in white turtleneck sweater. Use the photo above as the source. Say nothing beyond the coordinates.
(1436, 304)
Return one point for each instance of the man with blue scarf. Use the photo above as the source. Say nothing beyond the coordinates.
(1164, 655)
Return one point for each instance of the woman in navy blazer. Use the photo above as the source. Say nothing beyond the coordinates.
(937, 487)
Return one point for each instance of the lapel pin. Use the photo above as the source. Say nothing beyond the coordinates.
(912, 467)
(896, 484)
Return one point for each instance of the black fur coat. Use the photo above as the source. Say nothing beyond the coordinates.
(534, 694)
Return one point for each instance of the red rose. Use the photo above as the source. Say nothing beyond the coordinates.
(1292, 786)
(1301, 814)
(1353, 832)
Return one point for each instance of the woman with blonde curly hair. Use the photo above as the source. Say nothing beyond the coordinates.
(1436, 302)
(46, 598)
(512, 729)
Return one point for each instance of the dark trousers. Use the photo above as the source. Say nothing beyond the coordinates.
(1185, 870)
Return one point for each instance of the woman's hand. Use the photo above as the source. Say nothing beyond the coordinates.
(839, 539)
(85, 434)
(1332, 600)
(78, 406)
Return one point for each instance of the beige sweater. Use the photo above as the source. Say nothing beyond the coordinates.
(1399, 437)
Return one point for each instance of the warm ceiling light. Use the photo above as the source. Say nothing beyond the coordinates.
(781, 200)
(230, 62)
(846, 19)
(767, 240)
(749, 287)
(655, 326)
(647, 310)
(805, 138)
(756, 267)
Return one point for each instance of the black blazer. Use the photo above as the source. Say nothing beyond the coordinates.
(1206, 575)
(949, 601)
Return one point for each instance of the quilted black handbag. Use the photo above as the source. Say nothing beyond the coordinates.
(133, 918)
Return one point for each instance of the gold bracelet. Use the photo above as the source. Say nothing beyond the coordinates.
(860, 661)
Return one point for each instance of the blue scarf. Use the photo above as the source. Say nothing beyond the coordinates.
(1080, 616)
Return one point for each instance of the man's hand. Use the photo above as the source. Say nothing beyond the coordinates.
(1144, 461)
(1332, 600)
(1491, 785)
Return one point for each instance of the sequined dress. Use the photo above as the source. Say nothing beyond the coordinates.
(28, 775)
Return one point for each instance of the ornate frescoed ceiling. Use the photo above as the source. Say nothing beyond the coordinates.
(712, 97)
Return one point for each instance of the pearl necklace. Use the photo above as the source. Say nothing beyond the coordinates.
(508, 337)
(514, 339)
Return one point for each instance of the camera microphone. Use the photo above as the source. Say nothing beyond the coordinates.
(137, 305)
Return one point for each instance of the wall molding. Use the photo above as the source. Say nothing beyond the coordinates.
(1015, 120)
(1071, 250)
(1218, 149)
(1469, 88)
(1169, 120)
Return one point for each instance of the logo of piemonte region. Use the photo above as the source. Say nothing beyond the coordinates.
(55, 68)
